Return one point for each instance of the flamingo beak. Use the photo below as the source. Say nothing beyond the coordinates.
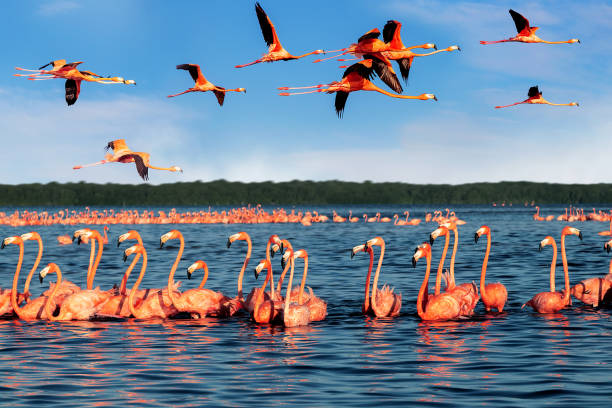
(229, 243)
(256, 273)
(414, 261)
(188, 274)
(283, 263)
(580, 235)
(435, 98)
(161, 244)
(118, 242)
(476, 236)
(124, 257)
(540, 247)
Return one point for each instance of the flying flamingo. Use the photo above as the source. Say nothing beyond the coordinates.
(595, 291)
(237, 303)
(356, 78)
(526, 33)
(494, 295)
(384, 302)
(316, 306)
(203, 85)
(433, 307)
(293, 314)
(276, 52)
(122, 154)
(552, 302)
(535, 97)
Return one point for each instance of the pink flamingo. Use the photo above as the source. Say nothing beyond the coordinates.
(494, 295)
(595, 291)
(237, 303)
(293, 314)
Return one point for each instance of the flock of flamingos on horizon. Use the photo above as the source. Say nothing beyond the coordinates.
(66, 301)
(377, 56)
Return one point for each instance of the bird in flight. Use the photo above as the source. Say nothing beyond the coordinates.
(123, 154)
(203, 85)
(356, 78)
(535, 96)
(526, 33)
(276, 52)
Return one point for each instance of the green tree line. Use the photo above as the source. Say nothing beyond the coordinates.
(222, 192)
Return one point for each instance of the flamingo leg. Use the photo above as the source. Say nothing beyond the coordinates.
(332, 57)
(250, 63)
(180, 93)
(286, 88)
(90, 165)
(512, 104)
(302, 93)
(493, 42)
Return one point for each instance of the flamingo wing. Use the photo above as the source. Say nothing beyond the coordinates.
(143, 170)
(533, 92)
(267, 28)
(522, 24)
(370, 35)
(360, 69)
(341, 98)
(385, 73)
(404, 66)
(220, 95)
(73, 88)
(194, 71)
(389, 30)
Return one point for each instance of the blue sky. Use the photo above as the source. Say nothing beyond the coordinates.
(262, 136)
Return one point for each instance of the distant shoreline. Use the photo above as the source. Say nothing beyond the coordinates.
(222, 192)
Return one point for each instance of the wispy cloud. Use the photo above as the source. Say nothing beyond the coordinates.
(53, 7)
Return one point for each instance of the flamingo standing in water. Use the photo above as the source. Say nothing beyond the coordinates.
(595, 291)
(237, 303)
(355, 78)
(494, 295)
(264, 308)
(11, 299)
(203, 85)
(293, 314)
(316, 306)
(552, 302)
(276, 52)
(123, 154)
(384, 302)
(526, 33)
(433, 307)
(535, 97)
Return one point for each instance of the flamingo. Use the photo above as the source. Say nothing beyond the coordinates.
(203, 85)
(64, 239)
(365, 308)
(316, 306)
(276, 52)
(355, 78)
(526, 33)
(293, 314)
(595, 291)
(494, 295)
(552, 302)
(384, 302)
(535, 97)
(264, 309)
(433, 307)
(122, 154)
(237, 303)
(440, 231)
(150, 309)
(11, 299)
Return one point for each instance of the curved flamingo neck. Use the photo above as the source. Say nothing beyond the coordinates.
(47, 306)
(126, 275)
(378, 267)
(441, 264)
(289, 283)
(205, 278)
(282, 277)
(260, 294)
(422, 297)
(303, 284)
(268, 245)
(552, 267)
(16, 307)
(483, 271)
(143, 269)
(566, 295)
(244, 265)
(451, 281)
(26, 288)
(366, 302)
(171, 293)
(92, 274)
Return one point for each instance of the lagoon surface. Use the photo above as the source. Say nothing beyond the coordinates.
(516, 358)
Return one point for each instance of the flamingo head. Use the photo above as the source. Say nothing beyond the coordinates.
(425, 97)
(439, 232)
(176, 168)
(608, 246)
(375, 241)
(546, 241)
(129, 82)
(318, 52)
(423, 250)
(195, 266)
(11, 240)
(276, 245)
(454, 48)
(429, 46)
(484, 230)
(574, 104)
(574, 41)
(30, 236)
(287, 255)
(242, 236)
(241, 90)
(174, 234)
(571, 231)
(132, 234)
(579, 290)
(264, 263)
(132, 250)
(300, 253)
(46, 270)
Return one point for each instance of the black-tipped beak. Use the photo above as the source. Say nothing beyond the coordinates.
(414, 262)
(124, 257)
(188, 274)
(283, 263)
(79, 240)
(607, 248)
(578, 41)
(40, 278)
(435, 47)
(476, 236)
(580, 235)
(431, 239)
(458, 48)
(118, 242)
(161, 244)
(256, 273)
(540, 247)
(271, 253)
(352, 254)
(282, 248)
(229, 243)
(3, 245)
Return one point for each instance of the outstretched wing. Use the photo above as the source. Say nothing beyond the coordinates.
(143, 170)
(534, 91)
(370, 35)
(404, 66)
(341, 98)
(220, 95)
(194, 71)
(385, 73)
(267, 28)
(389, 30)
(359, 68)
(521, 22)
(73, 88)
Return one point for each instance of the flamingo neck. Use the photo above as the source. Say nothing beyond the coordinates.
(282, 277)
(205, 278)
(126, 275)
(171, 292)
(143, 269)
(566, 295)
(451, 282)
(270, 260)
(303, 284)
(92, 274)
(552, 268)
(289, 283)
(441, 264)
(26, 287)
(244, 265)
(16, 307)
(378, 267)
(483, 271)
(47, 306)
(366, 302)
(422, 297)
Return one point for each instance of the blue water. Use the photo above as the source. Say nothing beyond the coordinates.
(516, 358)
